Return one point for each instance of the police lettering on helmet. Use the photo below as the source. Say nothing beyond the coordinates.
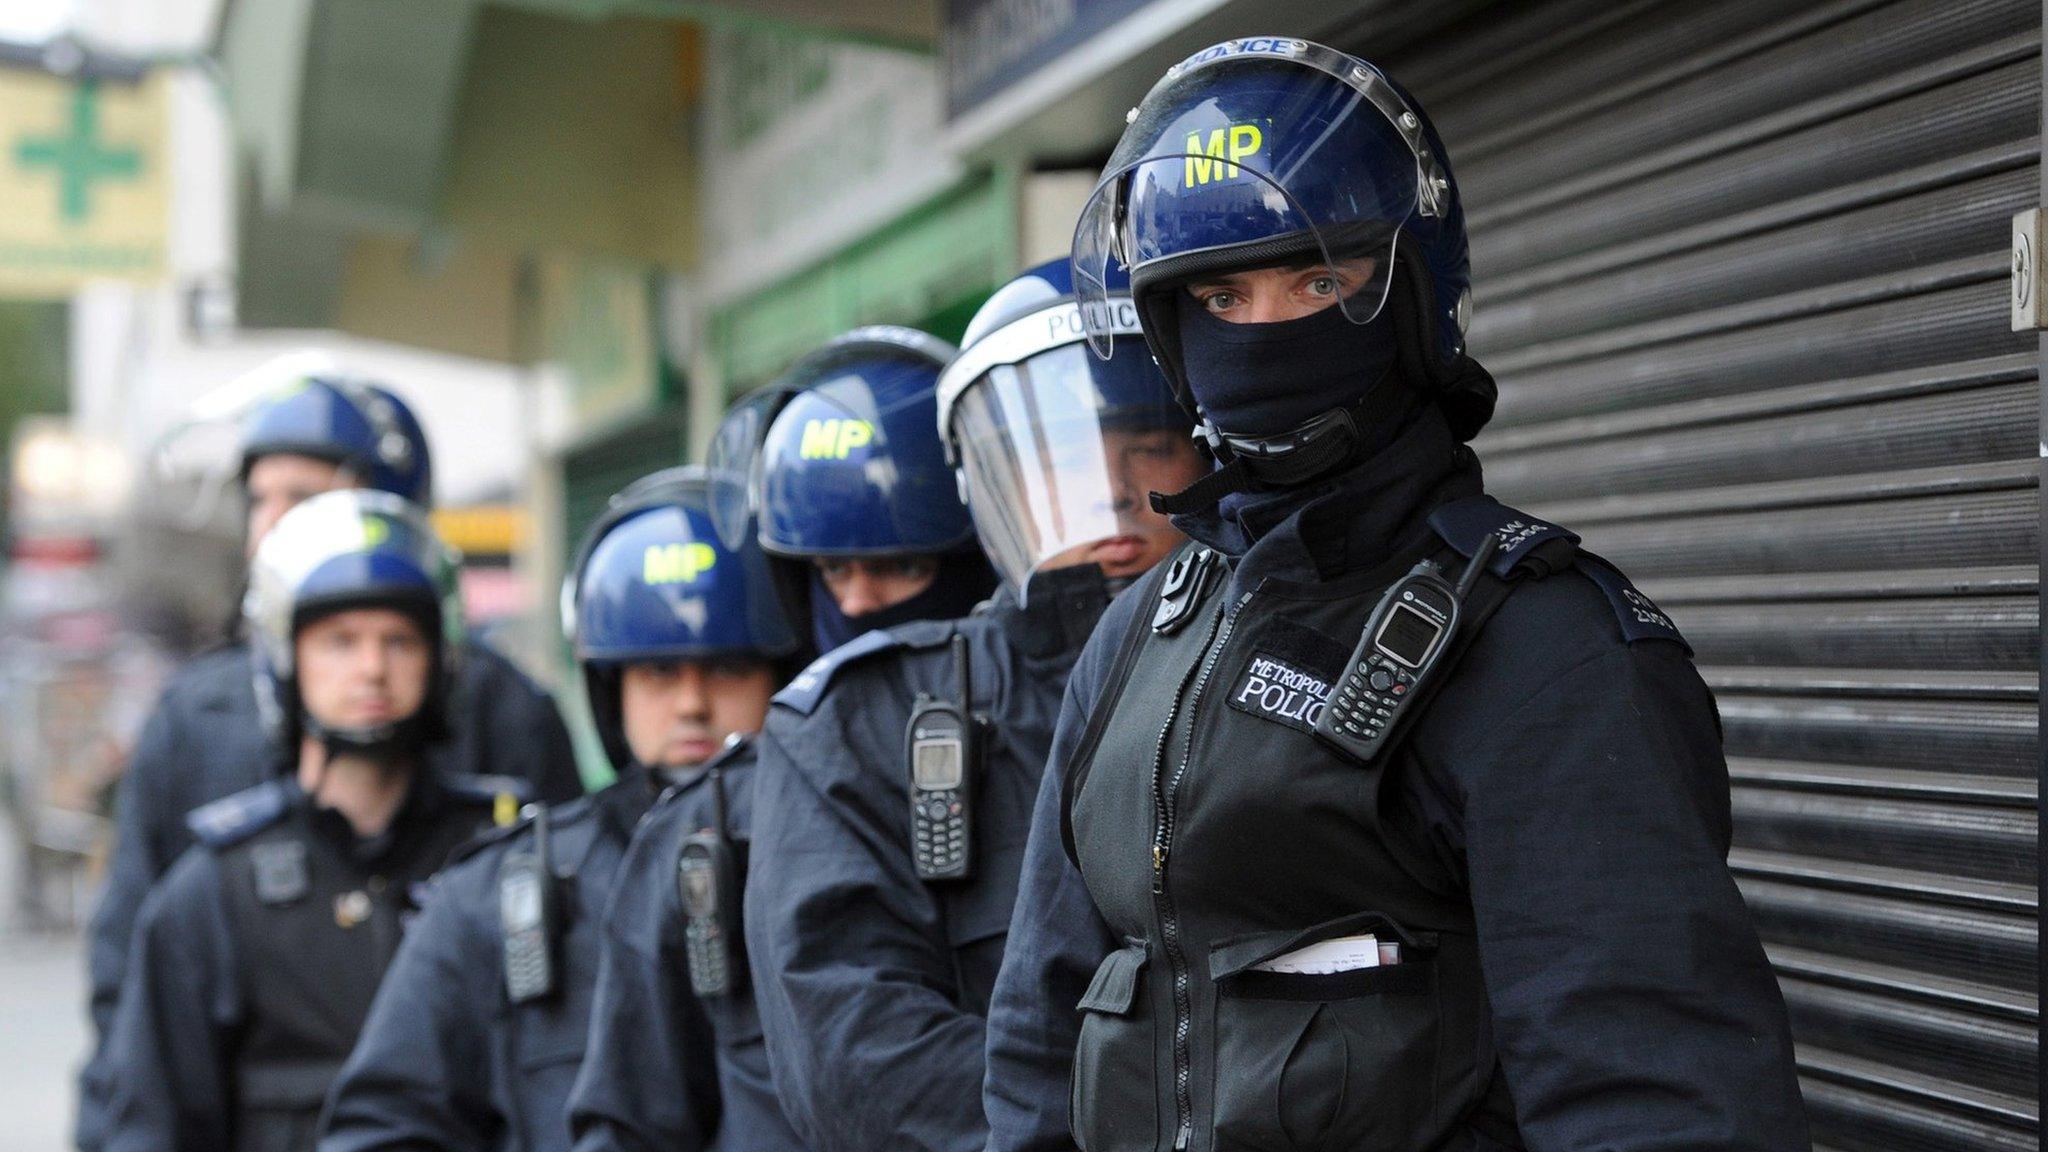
(679, 636)
(1058, 451)
(838, 465)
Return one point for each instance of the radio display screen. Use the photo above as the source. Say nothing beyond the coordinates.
(1407, 635)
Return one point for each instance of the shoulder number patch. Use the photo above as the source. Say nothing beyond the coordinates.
(1639, 616)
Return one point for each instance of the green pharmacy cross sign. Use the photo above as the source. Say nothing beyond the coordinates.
(78, 156)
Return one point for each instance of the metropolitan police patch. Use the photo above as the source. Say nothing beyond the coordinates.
(1276, 689)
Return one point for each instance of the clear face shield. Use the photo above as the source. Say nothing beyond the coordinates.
(1059, 453)
(1253, 154)
(733, 460)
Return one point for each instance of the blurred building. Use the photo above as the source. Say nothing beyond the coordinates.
(1743, 270)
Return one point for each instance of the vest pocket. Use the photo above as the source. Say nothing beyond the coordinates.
(1344, 1060)
(1112, 1104)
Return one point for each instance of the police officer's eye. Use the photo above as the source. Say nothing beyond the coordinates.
(1219, 301)
(1323, 286)
(732, 669)
(835, 569)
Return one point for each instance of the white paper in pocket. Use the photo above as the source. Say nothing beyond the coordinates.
(1343, 954)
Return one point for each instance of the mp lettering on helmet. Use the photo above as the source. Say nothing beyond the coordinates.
(676, 563)
(1216, 157)
(834, 439)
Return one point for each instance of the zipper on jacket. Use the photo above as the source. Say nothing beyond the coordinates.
(1165, 792)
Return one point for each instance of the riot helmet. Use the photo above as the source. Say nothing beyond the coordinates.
(839, 459)
(359, 426)
(653, 582)
(1277, 152)
(354, 548)
(1057, 450)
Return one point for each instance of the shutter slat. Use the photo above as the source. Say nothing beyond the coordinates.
(1740, 271)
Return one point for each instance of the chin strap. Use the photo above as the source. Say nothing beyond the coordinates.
(382, 743)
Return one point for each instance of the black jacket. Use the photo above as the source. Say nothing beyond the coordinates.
(445, 1059)
(873, 983)
(649, 1030)
(256, 960)
(1569, 780)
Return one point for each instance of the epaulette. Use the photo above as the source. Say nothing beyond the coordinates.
(1534, 545)
(505, 794)
(807, 689)
(1639, 615)
(488, 837)
(232, 819)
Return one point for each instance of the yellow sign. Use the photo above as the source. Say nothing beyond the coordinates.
(84, 181)
(676, 563)
(1216, 159)
(834, 439)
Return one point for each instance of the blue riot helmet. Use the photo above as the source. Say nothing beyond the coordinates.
(1267, 152)
(840, 458)
(653, 582)
(361, 427)
(357, 548)
(1058, 450)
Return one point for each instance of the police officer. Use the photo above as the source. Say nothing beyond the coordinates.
(205, 741)
(1372, 727)
(896, 774)
(673, 958)
(855, 506)
(256, 957)
(477, 1033)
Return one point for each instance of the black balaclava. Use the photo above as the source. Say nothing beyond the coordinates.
(1260, 380)
(964, 580)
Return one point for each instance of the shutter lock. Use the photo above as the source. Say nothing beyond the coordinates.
(2028, 314)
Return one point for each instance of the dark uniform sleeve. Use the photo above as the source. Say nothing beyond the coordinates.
(422, 1073)
(852, 969)
(1056, 941)
(1632, 1002)
(169, 1054)
(650, 1062)
(138, 860)
(520, 729)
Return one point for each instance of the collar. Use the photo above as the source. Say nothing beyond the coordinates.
(424, 799)
(625, 800)
(1348, 522)
(1060, 612)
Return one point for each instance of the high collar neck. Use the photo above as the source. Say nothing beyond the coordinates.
(1351, 520)
(1060, 610)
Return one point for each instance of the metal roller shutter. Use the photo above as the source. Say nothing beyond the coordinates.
(1740, 269)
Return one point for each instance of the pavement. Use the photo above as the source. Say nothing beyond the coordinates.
(42, 1038)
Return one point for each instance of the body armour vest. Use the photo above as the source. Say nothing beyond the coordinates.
(315, 921)
(1216, 833)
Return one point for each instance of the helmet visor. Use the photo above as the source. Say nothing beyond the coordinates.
(1060, 453)
(1254, 159)
(733, 460)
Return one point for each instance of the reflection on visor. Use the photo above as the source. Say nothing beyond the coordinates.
(1139, 219)
(1060, 454)
(1255, 153)
(730, 462)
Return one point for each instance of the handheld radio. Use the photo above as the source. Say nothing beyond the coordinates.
(708, 881)
(942, 746)
(528, 914)
(1403, 643)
